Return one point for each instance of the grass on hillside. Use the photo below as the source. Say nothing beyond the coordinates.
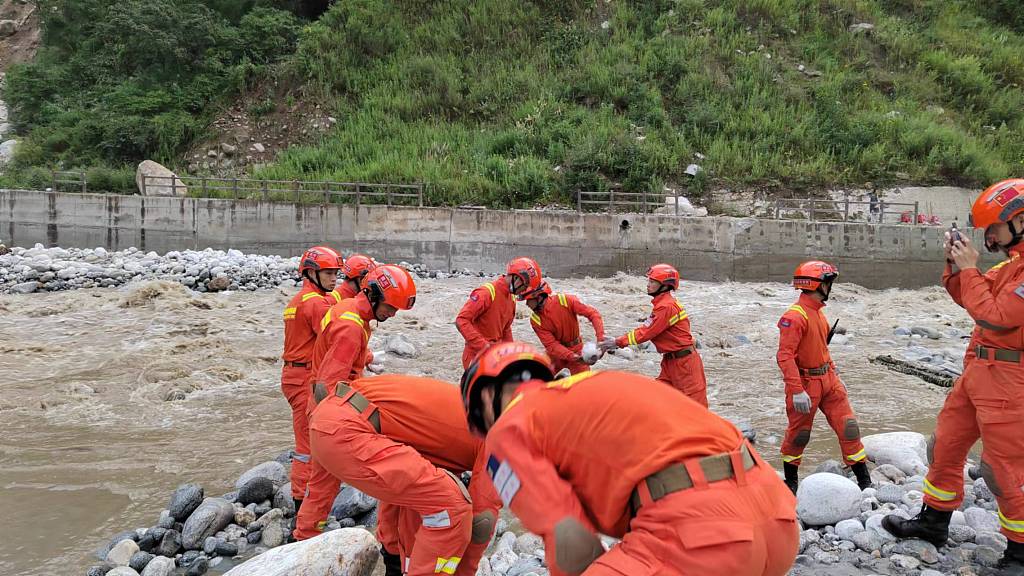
(512, 103)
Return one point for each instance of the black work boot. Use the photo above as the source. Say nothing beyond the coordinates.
(298, 506)
(860, 470)
(930, 525)
(792, 475)
(392, 563)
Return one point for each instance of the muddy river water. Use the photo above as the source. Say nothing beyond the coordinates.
(91, 445)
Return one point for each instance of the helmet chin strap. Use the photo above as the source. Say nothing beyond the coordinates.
(524, 376)
(315, 279)
(661, 289)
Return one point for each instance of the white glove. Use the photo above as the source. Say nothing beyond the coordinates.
(802, 403)
(607, 345)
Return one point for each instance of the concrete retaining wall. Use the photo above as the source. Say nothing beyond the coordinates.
(566, 243)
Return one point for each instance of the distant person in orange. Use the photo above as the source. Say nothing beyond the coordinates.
(339, 356)
(810, 376)
(318, 269)
(403, 440)
(555, 322)
(987, 401)
(624, 455)
(487, 316)
(668, 327)
(356, 267)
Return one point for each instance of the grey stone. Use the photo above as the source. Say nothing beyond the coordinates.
(256, 490)
(993, 540)
(868, 541)
(122, 571)
(198, 568)
(169, 544)
(283, 499)
(528, 544)
(525, 565)
(121, 553)
(826, 499)
(981, 490)
(351, 503)
(830, 467)
(209, 518)
(923, 551)
(188, 557)
(24, 288)
(904, 562)
(271, 469)
(349, 551)
(891, 473)
(874, 524)
(889, 493)
(905, 450)
(274, 534)
(847, 528)
(8, 28)
(929, 333)
(140, 560)
(981, 520)
(823, 557)
(961, 533)
(254, 537)
(399, 345)
(808, 537)
(986, 556)
(184, 501)
(244, 517)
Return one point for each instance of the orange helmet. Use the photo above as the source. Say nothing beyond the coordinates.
(524, 275)
(392, 285)
(494, 366)
(544, 289)
(811, 275)
(999, 203)
(356, 266)
(664, 273)
(320, 258)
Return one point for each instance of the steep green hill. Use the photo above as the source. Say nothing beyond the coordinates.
(503, 102)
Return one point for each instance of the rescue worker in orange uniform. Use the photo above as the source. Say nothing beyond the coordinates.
(987, 401)
(810, 376)
(319, 270)
(404, 440)
(555, 322)
(668, 327)
(624, 455)
(340, 355)
(487, 316)
(355, 269)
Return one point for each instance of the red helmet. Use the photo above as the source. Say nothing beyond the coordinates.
(999, 202)
(544, 288)
(487, 369)
(392, 285)
(320, 258)
(811, 275)
(664, 273)
(524, 275)
(356, 266)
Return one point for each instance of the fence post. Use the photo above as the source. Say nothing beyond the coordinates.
(915, 213)
(579, 201)
(174, 185)
(145, 179)
(53, 180)
(643, 199)
(881, 212)
(327, 193)
(234, 189)
(778, 208)
(420, 191)
(387, 194)
(846, 210)
(295, 190)
(359, 195)
(676, 202)
(82, 175)
(611, 201)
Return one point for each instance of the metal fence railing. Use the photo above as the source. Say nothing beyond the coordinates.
(71, 180)
(302, 191)
(824, 210)
(612, 201)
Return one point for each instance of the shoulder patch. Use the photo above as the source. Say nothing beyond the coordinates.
(474, 297)
(1019, 291)
(649, 321)
(504, 479)
(785, 323)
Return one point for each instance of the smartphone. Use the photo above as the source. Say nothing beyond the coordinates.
(954, 234)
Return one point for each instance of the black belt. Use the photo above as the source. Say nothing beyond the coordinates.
(998, 354)
(296, 364)
(676, 478)
(360, 403)
(679, 353)
(819, 371)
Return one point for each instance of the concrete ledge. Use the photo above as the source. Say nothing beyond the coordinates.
(566, 243)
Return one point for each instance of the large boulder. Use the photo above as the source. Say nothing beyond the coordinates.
(825, 498)
(344, 552)
(154, 179)
(212, 516)
(907, 451)
(7, 151)
(8, 28)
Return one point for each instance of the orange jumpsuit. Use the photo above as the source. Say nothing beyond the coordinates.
(807, 366)
(339, 355)
(558, 329)
(668, 327)
(987, 402)
(582, 448)
(344, 291)
(404, 448)
(301, 326)
(486, 318)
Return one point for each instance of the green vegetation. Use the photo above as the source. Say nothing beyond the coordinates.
(505, 103)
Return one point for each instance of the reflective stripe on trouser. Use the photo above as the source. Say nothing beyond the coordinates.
(828, 395)
(686, 374)
(987, 402)
(723, 528)
(398, 474)
(295, 387)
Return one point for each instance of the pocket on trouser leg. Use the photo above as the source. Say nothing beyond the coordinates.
(618, 562)
(719, 547)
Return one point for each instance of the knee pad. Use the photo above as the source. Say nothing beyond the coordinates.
(576, 548)
(802, 437)
(483, 527)
(931, 449)
(990, 478)
(851, 430)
